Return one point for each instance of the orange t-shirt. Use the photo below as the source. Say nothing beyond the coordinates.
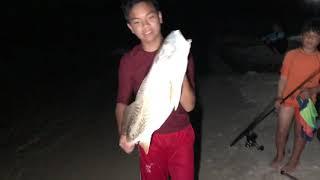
(297, 67)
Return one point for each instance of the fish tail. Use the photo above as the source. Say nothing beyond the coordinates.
(134, 122)
(145, 144)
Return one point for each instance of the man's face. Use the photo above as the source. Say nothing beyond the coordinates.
(310, 40)
(145, 22)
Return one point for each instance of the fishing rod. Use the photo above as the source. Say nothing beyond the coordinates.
(251, 136)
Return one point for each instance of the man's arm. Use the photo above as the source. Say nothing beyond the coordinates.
(281, 85)
(316, 90)
(308, 92)
(127, 147)
(119, 116)
(188, 97)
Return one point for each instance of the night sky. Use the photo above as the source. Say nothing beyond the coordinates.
(52, 49)
(37, 23)
(72, 24)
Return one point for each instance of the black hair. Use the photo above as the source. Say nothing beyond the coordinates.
(127, 5)
(312, 25)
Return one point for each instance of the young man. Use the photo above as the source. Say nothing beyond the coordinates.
(171, 150)
(297, 66)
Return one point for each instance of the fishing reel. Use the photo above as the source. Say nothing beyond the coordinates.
(252, 141)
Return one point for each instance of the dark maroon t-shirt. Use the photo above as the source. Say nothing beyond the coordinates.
(134, 66)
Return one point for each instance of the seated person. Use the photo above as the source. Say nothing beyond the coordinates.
(276, 40)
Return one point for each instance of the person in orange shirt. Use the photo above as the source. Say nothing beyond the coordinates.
(297, 66)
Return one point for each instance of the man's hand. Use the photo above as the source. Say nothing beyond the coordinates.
(277, 104)
(127, 147)
(307, 93)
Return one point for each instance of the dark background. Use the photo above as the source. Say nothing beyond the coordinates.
(59, 54)
(54, 36)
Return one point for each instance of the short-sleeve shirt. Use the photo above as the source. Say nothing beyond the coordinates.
(296, 68)
(133, 68)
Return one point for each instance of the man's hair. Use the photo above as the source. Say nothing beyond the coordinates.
(127, 5)
(311, 25)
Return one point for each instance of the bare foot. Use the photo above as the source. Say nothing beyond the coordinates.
(290, 166)
(276, 163)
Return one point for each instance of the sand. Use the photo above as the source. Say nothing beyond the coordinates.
(85, 144)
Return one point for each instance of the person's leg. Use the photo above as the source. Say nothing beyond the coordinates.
(281, 45)
(181, 158)
(285, 117)
(299, 144)
(274, 48)
(153, 166)
(270, 46)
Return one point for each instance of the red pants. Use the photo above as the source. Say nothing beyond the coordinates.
(169, 155)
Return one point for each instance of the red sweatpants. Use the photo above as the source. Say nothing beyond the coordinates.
(169, 155)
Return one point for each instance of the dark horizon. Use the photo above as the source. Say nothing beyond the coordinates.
(51, 22)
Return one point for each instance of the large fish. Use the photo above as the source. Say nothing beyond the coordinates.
(160, 91)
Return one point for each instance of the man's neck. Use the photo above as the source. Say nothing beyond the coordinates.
(309, 51)
(152, 46)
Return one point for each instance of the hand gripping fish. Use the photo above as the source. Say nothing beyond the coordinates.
(160, 91)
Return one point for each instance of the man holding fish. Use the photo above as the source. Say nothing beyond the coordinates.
(169, 152)
(171, 146)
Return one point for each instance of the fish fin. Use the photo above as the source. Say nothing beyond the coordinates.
(145, 144)
(126, 118)
(175, 93)
(176, 85)
(132, 123)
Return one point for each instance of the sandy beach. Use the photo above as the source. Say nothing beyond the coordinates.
(81, 140)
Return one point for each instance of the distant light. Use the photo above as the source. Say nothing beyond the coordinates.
(315, 2)
(312, 1)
